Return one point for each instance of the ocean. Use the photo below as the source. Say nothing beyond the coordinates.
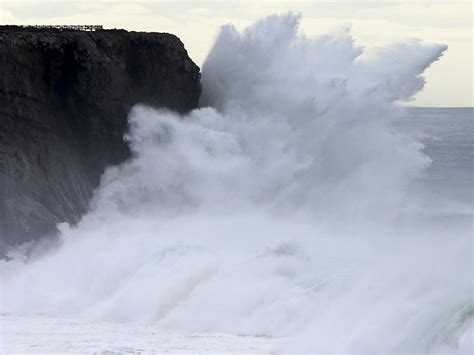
(298, 210)
(448, 134)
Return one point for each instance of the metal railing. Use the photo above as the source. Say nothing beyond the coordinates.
(69, 27)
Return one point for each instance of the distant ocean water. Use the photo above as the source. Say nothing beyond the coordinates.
(448, 136)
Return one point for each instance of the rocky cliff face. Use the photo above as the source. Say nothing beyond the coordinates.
(64, 100)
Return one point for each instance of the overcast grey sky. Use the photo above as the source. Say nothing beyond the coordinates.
(373, 24)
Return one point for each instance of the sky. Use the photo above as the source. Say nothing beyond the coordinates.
(373, 23)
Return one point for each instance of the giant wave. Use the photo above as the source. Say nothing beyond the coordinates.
(276, 209)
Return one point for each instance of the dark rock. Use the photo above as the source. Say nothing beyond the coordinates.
(64, 100)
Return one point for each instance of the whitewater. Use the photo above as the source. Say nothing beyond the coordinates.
(284, 210)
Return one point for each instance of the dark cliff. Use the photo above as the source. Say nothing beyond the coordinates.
(64, 100)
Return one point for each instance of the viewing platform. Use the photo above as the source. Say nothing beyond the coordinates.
(88, 28)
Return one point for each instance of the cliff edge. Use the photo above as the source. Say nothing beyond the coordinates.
(64, 100)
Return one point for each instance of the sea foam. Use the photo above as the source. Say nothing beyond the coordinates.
(274, 210)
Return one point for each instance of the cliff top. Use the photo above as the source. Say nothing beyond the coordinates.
(74, 29)
(56, 36)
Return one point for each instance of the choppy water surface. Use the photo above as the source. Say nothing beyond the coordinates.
(449, 135)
